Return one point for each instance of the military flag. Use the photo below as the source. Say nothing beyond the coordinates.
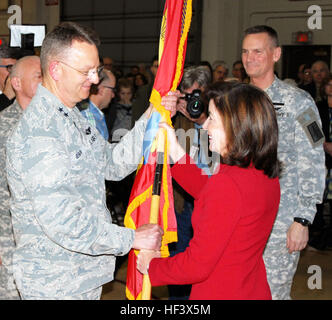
(154, 165)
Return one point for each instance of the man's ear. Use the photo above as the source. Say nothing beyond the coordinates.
(100, 90)
(276, 54)
(16, 83)
(54, 70)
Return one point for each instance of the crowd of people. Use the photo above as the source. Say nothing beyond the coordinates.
(71, 134)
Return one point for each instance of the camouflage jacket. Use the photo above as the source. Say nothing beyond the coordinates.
(57, 164)
(8, 119)
(303, 178)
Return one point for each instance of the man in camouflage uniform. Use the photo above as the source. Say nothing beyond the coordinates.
(25, 76)
(56, 167)
(303, 178)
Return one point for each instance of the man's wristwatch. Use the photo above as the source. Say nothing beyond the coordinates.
(302, 221)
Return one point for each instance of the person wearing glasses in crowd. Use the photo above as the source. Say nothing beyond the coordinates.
(57, 163)
(307, 76)
(101, 95)
(319, 72)
(8, 57)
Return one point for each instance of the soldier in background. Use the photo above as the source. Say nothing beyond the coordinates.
(57, 164)
(303, 178)
(25, 77)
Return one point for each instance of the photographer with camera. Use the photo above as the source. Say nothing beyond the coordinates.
(192, 115)
(188, 123)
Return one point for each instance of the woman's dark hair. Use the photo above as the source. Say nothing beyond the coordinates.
(323, 85)
(250, 125)
(143, 77)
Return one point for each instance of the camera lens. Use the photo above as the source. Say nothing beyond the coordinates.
(195, 106)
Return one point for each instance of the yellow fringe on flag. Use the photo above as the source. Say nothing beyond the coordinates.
(185, 31)
(129, 222)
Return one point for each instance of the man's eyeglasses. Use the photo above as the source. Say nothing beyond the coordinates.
(112, 88)
(89, 74)
(9, 67)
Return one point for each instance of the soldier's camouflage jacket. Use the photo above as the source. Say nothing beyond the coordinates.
(57, 164)
(8, 119)
(303, 178)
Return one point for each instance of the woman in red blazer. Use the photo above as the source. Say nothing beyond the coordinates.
(235, 208)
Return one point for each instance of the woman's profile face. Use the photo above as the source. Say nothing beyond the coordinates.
(215, 129)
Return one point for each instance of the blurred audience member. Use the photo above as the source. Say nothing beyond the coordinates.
(300, 74)
(320, 230)
(238, 71)
(207, 64)
(143, 70)
(108, 63)
(307, 76)
(319, 71)
(123, 111)
(101, 95)
(142, 95)
(140, 80)
(220, 70)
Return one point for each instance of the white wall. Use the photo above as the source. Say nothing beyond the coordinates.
(225, 20)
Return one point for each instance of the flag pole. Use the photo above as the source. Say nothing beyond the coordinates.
(172, 50)
(155, 201)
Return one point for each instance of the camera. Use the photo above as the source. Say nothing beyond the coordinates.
(195, 105)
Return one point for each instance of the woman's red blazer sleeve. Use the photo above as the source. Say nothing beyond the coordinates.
(214, 223)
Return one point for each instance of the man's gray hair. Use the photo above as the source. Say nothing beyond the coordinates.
(199, 74)
(60, 39)
(104, 76)
(218, 63)
(326, 67)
